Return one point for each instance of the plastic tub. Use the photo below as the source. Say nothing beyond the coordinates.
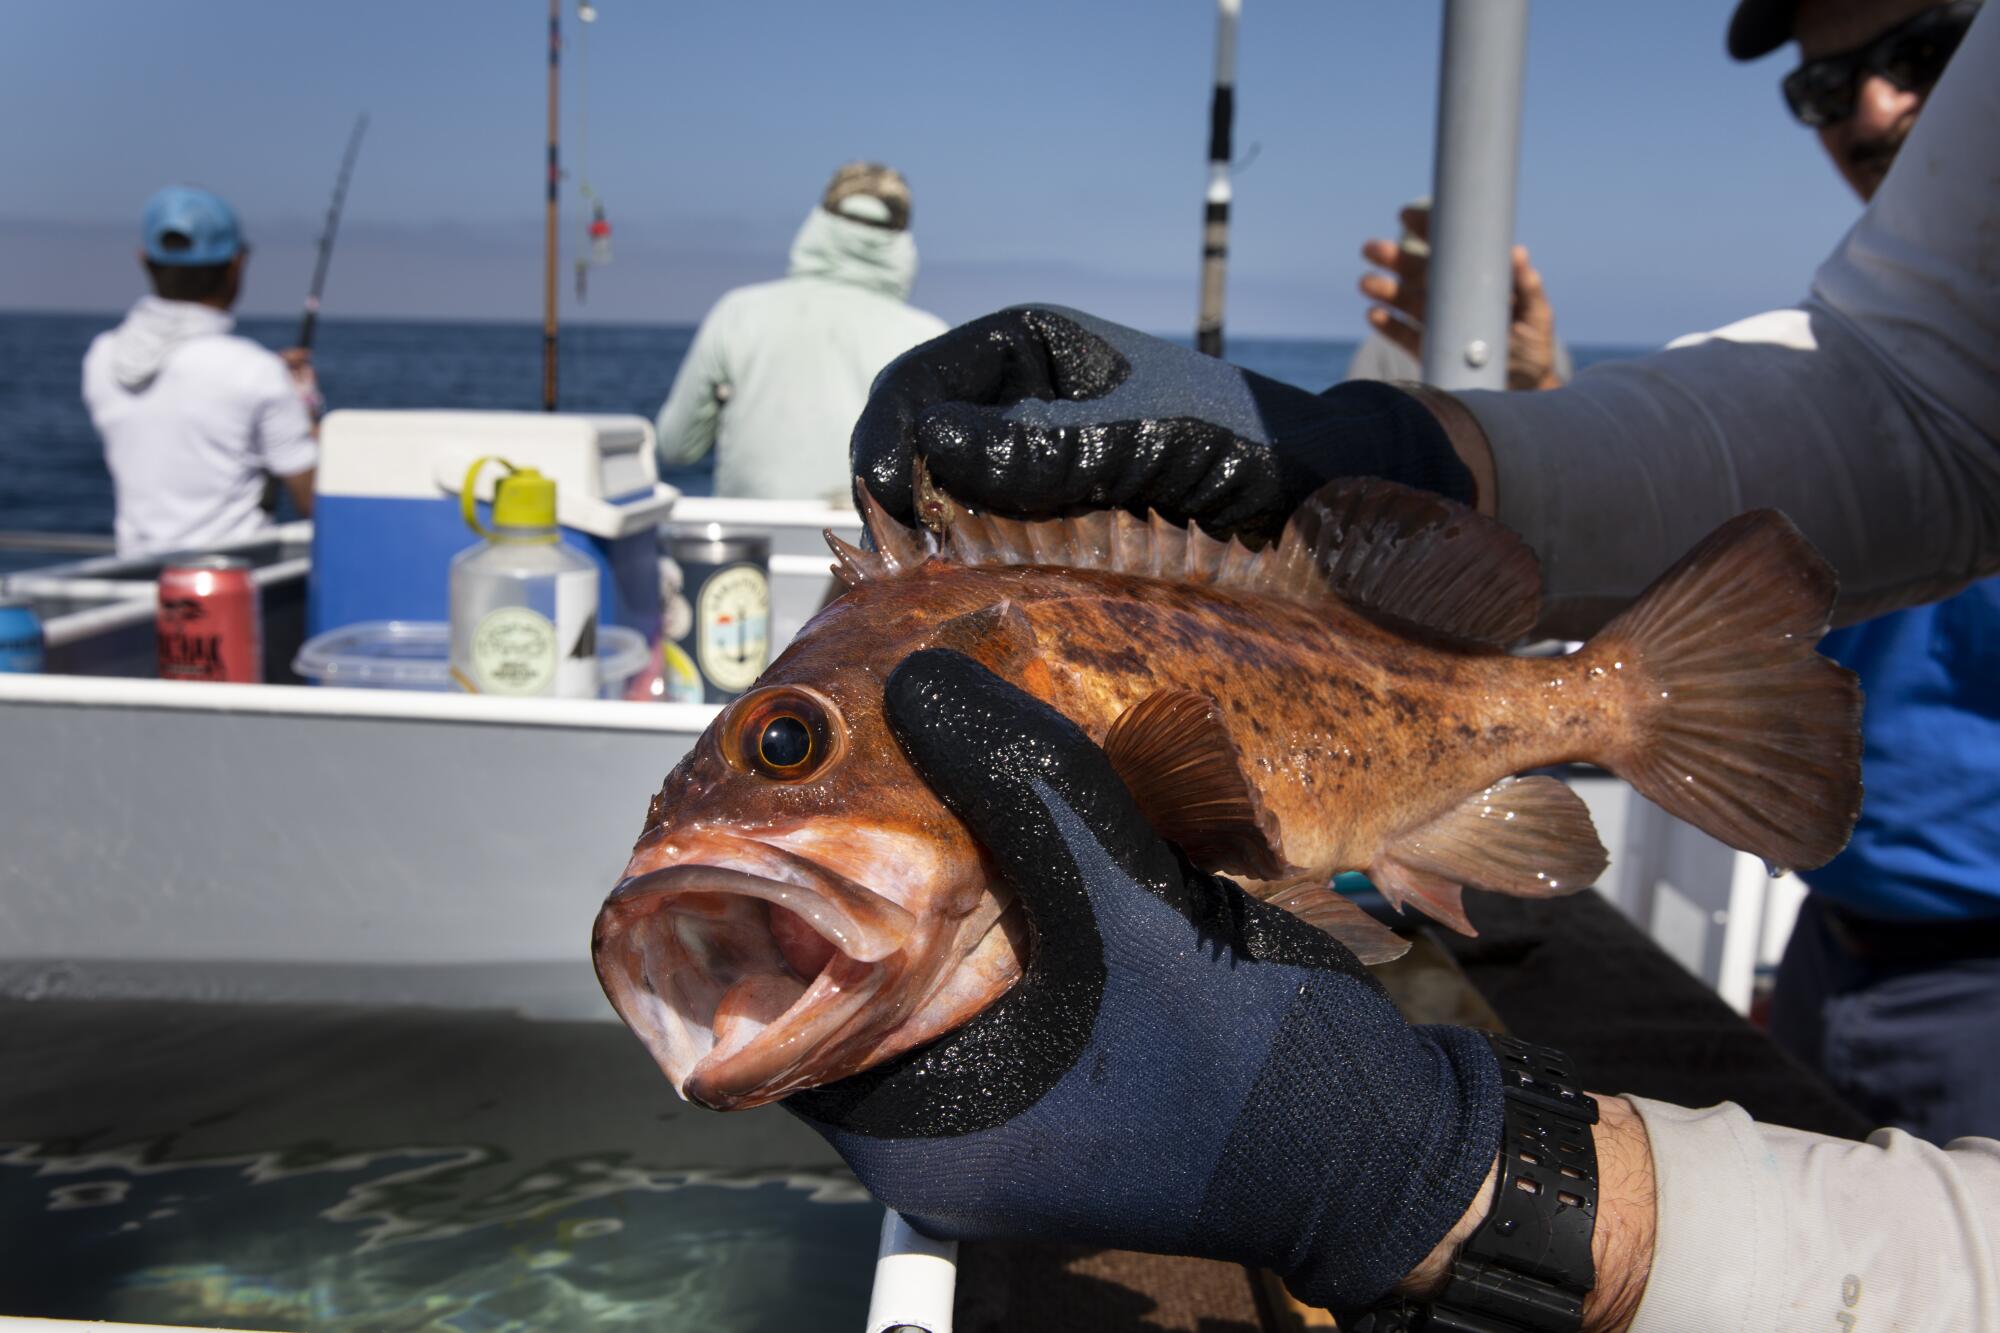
(416, 655)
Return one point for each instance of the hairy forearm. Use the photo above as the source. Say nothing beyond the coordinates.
(1621, 1243)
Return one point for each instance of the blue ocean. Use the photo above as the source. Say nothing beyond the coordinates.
(52, 476)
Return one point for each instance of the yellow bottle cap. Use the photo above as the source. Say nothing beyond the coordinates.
(523, 499)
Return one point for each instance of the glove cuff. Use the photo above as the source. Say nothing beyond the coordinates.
(1365, 428)
(1377, 1219)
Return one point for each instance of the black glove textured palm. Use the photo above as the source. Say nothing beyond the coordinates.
(1037, 410)
(1181, 1069)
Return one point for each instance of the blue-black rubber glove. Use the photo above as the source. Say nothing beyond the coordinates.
(1181, 1069)
(1037, 410)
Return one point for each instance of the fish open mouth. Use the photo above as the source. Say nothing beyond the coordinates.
(740, 982)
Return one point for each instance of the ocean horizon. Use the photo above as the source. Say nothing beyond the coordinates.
(53, 465)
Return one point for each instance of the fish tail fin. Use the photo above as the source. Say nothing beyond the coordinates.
(1737, 725)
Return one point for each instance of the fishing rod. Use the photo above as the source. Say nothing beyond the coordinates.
(549, 233)
(311, 317)
(1215, 206)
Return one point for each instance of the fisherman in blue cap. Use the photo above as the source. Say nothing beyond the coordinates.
(194, 418)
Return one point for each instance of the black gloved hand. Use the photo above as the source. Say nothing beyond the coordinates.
(1038, 409)
(1182, 1068)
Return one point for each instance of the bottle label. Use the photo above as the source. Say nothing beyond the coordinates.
(514, 652)
(576, 634)
(733, 626)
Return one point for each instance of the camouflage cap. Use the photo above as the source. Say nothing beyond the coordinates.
(871, 180)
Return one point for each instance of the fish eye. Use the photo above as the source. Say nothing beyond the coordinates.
(786, 742)
(785, 733)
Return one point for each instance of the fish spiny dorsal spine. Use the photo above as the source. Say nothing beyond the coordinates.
(1110, 540)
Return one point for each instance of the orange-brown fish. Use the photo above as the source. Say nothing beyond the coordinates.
(800, 906)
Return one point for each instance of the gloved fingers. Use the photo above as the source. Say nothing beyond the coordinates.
(1001, 760)
(1184, 468)
(997, 359)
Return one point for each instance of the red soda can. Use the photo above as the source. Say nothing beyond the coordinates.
(209, 623)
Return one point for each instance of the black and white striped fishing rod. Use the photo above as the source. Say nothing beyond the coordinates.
(1215, 209)
(310, 320)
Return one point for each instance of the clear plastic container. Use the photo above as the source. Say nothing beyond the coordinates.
(416, 655)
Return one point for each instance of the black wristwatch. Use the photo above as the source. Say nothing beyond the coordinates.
(1528, 1267)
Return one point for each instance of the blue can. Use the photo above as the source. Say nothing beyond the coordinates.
(20, 637)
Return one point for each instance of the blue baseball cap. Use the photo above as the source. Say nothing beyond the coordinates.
(189, 227)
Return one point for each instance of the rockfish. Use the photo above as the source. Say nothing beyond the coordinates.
(800, 906)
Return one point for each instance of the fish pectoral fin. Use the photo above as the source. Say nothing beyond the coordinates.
(1187, 777)
(1530, 837)
(1317, 904)
(1421, 559)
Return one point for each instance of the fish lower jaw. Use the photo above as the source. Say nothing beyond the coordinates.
(744, 988)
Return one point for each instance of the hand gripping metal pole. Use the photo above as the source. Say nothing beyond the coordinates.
(1472, 218)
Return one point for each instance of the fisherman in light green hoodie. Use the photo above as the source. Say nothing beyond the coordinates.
(779, 370)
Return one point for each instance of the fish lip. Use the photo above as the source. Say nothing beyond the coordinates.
(671, 997)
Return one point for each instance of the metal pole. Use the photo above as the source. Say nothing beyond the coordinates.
(1472, 218)
(549, 234)
(915, 1280)
(1215, 209)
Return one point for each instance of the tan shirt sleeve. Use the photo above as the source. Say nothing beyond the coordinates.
(1763, 1229)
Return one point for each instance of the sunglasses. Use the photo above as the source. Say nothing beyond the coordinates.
(1910, 55)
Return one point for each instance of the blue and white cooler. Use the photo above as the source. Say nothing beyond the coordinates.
(386, 519)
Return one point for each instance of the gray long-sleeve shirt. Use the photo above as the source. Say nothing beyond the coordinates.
(1870, 413)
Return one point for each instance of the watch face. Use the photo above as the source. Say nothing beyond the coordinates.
(733, 626)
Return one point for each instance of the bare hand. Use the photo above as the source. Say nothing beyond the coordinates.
(1402, 294)
(298, 360)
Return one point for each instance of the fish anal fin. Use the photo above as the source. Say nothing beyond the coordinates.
(1529, 837)
(1435, 896)
(1421, 559)
(1187, 777)
(1314, 902)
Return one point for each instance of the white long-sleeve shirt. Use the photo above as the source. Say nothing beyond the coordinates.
(1770, 1230)
(1870, 413)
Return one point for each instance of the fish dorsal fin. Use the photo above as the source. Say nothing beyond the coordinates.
(1117, 542)
(1315, 902)
(891, 549)
(1404, 554)
(1529, 837)
(1421, 559)
(1186, 776)
(900, 548)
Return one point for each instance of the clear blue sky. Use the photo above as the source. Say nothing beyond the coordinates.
(1055, 147)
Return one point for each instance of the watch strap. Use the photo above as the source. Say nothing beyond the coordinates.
(1528, 1267)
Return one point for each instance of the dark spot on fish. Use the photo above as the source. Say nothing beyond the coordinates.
(1409, 708)
(1124, 661)
(1367, 761)
(1464, 732)
(1500, 733)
